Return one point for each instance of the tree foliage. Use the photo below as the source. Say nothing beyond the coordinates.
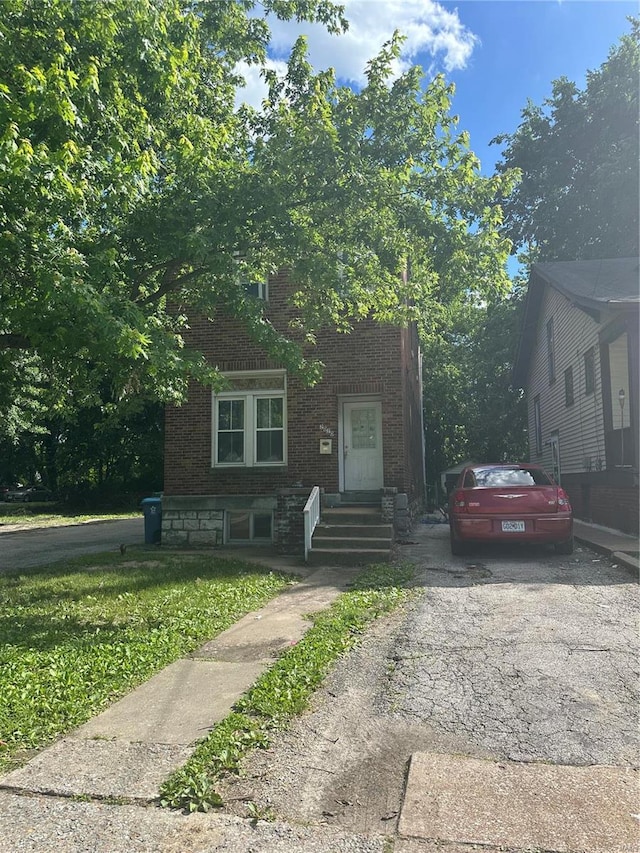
(134, 193)
(129, 180)
(579, 157)
(471, 410)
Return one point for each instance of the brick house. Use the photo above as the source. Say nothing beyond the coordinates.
(240, 465)
(578, 363)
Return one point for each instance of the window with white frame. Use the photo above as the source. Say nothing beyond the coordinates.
(258, 288)
(249, 420)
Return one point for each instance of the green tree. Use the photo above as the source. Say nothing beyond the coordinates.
(471, 410)
(129, 180)
(579, 157)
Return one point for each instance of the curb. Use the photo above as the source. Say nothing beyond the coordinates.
(626, 560)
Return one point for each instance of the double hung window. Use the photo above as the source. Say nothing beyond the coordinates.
(256, 287)
(551, 354)
(537, 424)
(589, 371)
(568, 387)
(250, 420)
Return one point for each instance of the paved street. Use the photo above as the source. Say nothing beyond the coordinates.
(23, 549)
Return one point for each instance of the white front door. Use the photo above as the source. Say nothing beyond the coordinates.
(362, 445)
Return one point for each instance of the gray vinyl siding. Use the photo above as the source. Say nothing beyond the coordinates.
(580, 426)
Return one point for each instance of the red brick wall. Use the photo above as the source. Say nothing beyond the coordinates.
(374, 359)
(609, 504)
(615, 507)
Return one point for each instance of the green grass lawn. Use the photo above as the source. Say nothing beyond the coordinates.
(76, 637)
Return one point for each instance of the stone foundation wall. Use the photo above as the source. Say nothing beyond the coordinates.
(197, 521)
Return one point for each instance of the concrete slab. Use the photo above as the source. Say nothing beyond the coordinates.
(261, 635)
(179, 705)
(550, 807)
(97, 768)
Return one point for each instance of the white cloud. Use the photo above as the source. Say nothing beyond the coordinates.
(255, 90)
(435, 38)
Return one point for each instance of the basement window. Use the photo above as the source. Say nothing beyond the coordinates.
(249, 526)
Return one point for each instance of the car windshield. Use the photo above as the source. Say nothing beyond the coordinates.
(501, 477)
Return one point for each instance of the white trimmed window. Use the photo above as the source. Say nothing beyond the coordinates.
(259, 288)
(250, 420)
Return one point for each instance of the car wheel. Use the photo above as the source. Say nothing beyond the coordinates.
(565, 547)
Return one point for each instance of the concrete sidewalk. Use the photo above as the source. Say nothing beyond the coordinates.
(84, 793)
(620, 546)
(131, 748)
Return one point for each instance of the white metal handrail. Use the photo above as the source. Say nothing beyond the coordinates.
(311, 518)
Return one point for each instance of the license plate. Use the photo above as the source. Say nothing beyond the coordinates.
(513, 526)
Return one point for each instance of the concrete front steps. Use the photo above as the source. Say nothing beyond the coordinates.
(351, 535)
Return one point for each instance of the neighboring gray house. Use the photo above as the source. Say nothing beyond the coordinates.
(578, 363)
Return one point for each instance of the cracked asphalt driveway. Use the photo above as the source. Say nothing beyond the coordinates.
(527, 655)
(518, 654)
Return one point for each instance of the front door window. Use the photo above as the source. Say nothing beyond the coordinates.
(364, 429)
(362, 451)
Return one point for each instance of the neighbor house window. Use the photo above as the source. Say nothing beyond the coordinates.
(551, 357)
(250, 420)
(568, 386)
(589, 371)
(537, 424)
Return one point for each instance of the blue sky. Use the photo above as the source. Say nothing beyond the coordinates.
(497, 52)
(523, 46)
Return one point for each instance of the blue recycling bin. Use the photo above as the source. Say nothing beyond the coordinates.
(152, 509)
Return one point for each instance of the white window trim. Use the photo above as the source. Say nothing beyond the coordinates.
(262, 288)
(250, 396)
(262, 285)
(252, 536)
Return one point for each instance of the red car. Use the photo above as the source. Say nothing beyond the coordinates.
(509, 503)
